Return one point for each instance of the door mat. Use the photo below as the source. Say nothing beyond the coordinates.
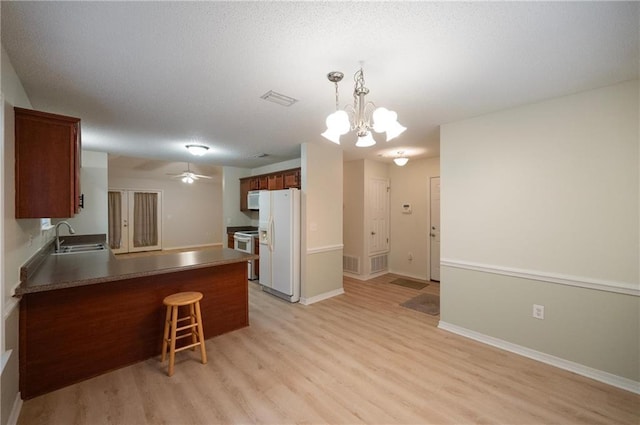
(409, 283)
(424, 303)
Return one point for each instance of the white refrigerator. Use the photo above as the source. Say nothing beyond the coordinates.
(279, 236)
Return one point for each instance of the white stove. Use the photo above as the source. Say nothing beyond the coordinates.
(243, 242)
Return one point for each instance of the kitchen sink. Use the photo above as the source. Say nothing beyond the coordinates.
(78, 248)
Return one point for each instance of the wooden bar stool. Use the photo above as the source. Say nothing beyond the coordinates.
(194, 327)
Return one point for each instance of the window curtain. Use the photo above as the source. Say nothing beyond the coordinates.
(145, 216)
(115, 219)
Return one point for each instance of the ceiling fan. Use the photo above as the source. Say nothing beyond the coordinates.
(188, 176)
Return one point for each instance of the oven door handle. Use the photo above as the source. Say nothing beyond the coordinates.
(243, 239)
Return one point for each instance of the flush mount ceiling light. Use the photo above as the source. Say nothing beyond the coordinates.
(197, 150)
(401, 160)
(359, 116)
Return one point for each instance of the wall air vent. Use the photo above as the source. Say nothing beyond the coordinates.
(379, 263)
(278, 98)
(351, 264)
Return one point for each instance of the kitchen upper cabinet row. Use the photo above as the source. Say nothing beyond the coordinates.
(273, 181)
(47, 179)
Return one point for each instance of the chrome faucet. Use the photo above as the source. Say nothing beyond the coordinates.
(58, 235)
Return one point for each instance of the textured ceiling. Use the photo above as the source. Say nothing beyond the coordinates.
(146, 78)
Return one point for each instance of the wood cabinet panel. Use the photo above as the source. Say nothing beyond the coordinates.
(47, 164)
(72, 334)
(291, 179)
(245, 187)
(273, 181)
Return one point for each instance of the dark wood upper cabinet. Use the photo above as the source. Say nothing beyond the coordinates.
(47, 164)
(273, 181)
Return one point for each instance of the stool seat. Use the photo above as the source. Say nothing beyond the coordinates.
(193, 328)
(182, 298)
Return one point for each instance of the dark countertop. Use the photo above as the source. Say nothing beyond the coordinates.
(232, 229)
(47, 272)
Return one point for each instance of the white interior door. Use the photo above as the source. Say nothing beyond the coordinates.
(435, 228)
(378, 216)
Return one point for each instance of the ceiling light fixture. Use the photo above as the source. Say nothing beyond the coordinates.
(197, 150)
(359, 116)
(401, 160)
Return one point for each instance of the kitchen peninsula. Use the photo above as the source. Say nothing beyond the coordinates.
(85, 314)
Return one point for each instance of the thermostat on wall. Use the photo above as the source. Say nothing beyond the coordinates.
(406, 208)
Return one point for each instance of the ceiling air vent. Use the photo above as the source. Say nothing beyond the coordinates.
(278, 98)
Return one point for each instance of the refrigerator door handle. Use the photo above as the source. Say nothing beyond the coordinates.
(271, 228)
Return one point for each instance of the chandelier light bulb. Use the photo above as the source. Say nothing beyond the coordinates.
(381, 119)
(365, 140)
(333, 136)
(337, 125)
(394, 130)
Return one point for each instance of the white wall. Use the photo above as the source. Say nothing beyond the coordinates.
(20, 240)
(410, 232)
(92, 219)
(321, 221)
(353, 211)
(540, 206)
(279, 166)
(191, 213)
(231, 198)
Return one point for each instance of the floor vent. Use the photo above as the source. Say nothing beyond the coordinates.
(351, 264)
(379, 263)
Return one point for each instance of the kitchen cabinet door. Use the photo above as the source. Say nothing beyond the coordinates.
(245, 187)
(275, 181)
(47, 149)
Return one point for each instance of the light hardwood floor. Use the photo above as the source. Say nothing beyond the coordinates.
(355, 358)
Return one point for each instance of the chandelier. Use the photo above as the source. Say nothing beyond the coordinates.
(361, 117)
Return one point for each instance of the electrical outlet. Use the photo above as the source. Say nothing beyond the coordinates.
(538, 311)
(30, 240)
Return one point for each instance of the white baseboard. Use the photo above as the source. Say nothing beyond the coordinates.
(15, 410)
(364, 277)
(409, 275)
(598, 375)
(321, 297)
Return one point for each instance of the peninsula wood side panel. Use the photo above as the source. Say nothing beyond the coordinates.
(72, 334)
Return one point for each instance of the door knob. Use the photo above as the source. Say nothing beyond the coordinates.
(433, 235)
(373, 233)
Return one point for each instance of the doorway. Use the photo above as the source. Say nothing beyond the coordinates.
(135, 220)
(434, 228)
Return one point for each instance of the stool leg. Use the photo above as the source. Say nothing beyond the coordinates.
(174, 325)
(166, 334)
(192, 315)
(203, 351)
